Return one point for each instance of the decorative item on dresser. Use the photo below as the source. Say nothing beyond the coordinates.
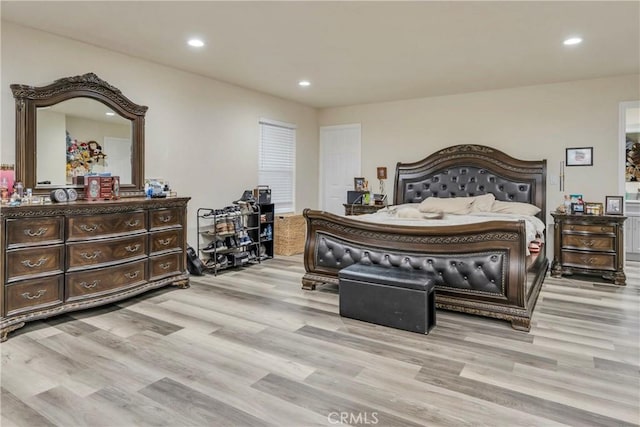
(65, 257)
(590, 245)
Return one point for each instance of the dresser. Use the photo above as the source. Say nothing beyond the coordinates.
(64, 257)
(589, 244)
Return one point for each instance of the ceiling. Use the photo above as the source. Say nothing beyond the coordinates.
(358, 52)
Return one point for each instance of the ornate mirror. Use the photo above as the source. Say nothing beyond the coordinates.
(74, 126)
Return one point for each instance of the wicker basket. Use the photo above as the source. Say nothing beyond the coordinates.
(290, 234)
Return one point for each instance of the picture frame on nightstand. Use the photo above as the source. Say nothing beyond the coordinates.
(614, 205)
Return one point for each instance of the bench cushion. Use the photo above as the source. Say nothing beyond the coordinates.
(390, 276)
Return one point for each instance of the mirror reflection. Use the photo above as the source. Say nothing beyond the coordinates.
(80, 136)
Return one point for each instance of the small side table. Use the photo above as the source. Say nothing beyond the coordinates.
(359, 209)
(589, 244)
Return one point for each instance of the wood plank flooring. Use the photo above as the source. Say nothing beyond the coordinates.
(251, 348)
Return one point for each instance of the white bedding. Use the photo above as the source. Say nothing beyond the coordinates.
(533, 225)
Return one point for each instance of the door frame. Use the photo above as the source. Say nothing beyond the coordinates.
(622, 141)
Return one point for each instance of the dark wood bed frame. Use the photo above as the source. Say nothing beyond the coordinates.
(480, 269)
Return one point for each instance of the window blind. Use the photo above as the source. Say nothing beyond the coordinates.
(277, 161)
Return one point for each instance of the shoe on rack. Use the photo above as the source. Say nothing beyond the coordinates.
(211, 247)
(247, 197)
(222, 260)
(220, 246)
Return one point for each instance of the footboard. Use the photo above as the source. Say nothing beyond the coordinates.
(478, 268)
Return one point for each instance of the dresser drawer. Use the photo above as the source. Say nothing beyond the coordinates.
(589, 242)
(92, 283)
(166, 265)
(162, 218)
(98, 226)
(40, 261)
(34, 231)
(110, 251)
(597, 261)
(33, 294)
(162, 241)
(589, 228)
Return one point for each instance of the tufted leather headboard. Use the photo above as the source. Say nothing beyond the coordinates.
(472, 170)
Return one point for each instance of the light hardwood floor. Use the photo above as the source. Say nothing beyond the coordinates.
(250, 348)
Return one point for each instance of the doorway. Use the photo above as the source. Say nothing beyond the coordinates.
(340, 155)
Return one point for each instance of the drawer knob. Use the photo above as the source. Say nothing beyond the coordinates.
(88, 228)
(165, 266)
(588, 243)
(38, 233)
(90, 285)
(164, 242)
(27, 295)
(133, 223)
(133, 248)
(95, 255)
(28, 263)
(163, 218)
(132, 275)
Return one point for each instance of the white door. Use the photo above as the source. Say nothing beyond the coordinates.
(118, 151)
(339, 164)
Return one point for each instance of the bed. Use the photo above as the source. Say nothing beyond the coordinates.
(481, 268)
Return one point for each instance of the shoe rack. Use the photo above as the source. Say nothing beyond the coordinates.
(229, 237)
(267, 230)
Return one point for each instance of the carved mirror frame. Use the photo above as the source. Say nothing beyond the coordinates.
(29, 98)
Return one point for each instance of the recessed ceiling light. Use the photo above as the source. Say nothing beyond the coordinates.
(195, 43)
(110, 113)
(572, 41)
(304, 83)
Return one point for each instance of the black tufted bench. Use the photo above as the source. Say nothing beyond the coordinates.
(389, 296)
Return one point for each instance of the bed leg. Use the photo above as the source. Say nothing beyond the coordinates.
(310, 281)
(521, 324)
(309, 285)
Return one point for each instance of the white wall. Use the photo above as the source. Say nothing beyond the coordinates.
(536, 122)
(201, 134)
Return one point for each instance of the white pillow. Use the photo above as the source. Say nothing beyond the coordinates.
(482, 203)
(518, 208)
(453, 205)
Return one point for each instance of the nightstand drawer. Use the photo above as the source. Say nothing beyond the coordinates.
(589, 228)
(597, 261)
(588, 242)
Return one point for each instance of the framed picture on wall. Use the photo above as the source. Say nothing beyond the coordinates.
(582, 156)
(381, 172)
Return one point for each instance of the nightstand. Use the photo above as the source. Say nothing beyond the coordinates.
(359, 209)
(589, 244)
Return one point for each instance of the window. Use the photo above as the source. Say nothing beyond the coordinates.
(277, 161)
